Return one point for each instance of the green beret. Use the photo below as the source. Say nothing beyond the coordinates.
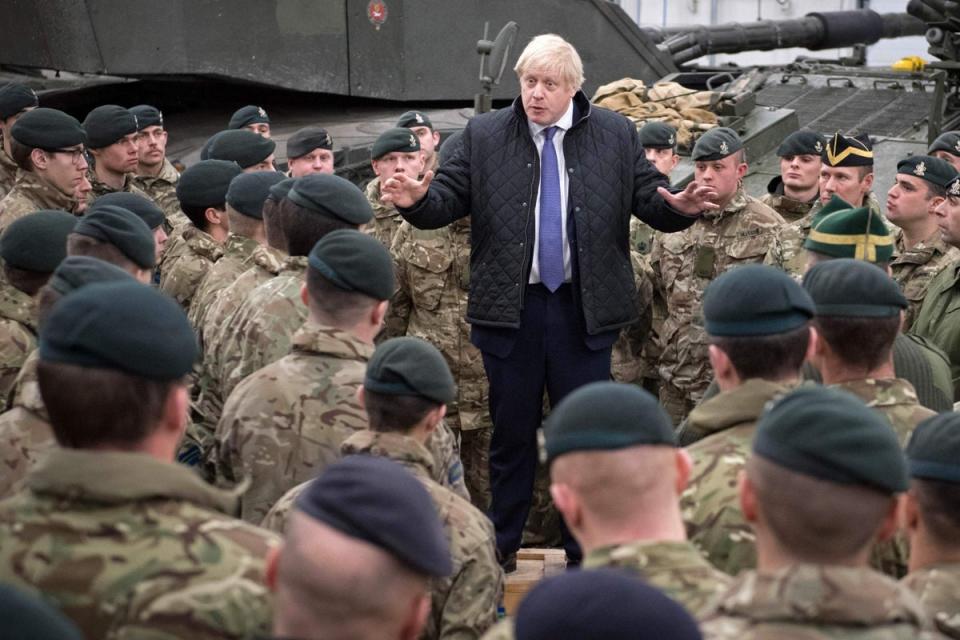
(658, 135)
(831, 435)
(410, 366)
(933, 170)
(250, 114)
(205, 149)
(604, 416)
(716, 144)
(280, 190)
(412, 119)
(242, 146)
(248, 192)
(147, 116)
(79, 271)
(848, 151)
(854, 289)
(933, 452)
(836, 203)
(851, 233)
(108, 123)
(14, 98)
(205, 184)
(123, 229)
(354, 261)
(948, 141)
(306, 140)
(755, 300)
(38, 241)
(397, 139)
(141, 206)
(47, 129)
(801, 143)
(331, 196)
(125, 326)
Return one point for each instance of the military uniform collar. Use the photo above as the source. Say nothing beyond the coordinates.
(239, 245)
(737, 406)
(268, 258)
(16, 305)
(736, 204)
(202, 243)
(657, 555)
(922, 253)
(294, 265)
(380, 210)
(885, 392)
(330, 341)
(101, 188)
(113, 477)
(43, 193)
(7, 161)
(400, 448)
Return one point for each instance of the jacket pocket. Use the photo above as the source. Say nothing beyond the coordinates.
(429, 268)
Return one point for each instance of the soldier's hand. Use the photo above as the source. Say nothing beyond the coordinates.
(695, 199)
(403, 191)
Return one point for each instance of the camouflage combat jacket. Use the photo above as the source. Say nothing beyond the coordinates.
(938, 588)
(684, 263)
(938, 319)
(627, 361)
(18, 335)
(433, 277)
(8, 172)
(25, 433)
(102, 188)
(186, 263)
(816, 603)
(913, 269)
(128, 546)
(32, 193)
(791, 210)
(386, 219)
(236, 258)
(162, 188)
(710, 503)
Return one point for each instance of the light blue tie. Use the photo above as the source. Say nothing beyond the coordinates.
(550, 254)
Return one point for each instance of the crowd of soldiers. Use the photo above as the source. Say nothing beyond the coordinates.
(243, 403)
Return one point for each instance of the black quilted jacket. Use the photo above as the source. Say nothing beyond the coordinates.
(494, 175)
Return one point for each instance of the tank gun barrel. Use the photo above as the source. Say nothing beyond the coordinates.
(820, 30)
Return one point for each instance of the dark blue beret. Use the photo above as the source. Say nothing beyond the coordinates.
(601, 603)
(933, 452)
(331, 196)
(410, 366)
(801, 143)
(377, 501)
(242, 146)
(248, 192)
(147, 116)
(250, 114)
(205, 184)
(604, 416)
(79, 271)
(854, 289)
(143, 207)
(38, 241)
(126, 326)
(27, 617)
(108, 123)
(755, 300)
(354, 261)
(49, 129)
(306, 140)
(658, 135)
(123, 229)
(14, 98)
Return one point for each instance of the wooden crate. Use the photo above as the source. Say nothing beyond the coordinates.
(533, 565)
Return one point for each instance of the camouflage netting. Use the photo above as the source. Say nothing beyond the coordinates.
(684, 109)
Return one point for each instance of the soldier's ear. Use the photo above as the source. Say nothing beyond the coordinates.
(812, 344)
(379, 313)
(684, 464)
(270, 570)
(748, 497)
(304, 296)
(361, 398)
(417, 618)
(567, 503)
(889, 526)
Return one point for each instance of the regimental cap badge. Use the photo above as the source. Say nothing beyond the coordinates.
(724, 147)
(672, 139)
(419, 118)
(818, 146)
(263, 114)
(957, 145)
(920, 169)
(327, 140)
(954, 189)
(413, 140)
(136, 122)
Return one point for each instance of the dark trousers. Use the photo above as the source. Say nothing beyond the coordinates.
(549, 352)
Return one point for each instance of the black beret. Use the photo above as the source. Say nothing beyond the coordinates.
(377, 501)
(411, 119)
(125, 326)
(48, 129)
(248, 192)
(306, 140)
(658, 135)
(832, 435)
(38, 241)
(142, 206)
(755, 300)
(410, 366)
(205, 149)
(331, 196)
(800, 143)
(605, 416)
(280, 190)
(933, 452)
(147, 116)
(948, 141)
(14, 98)
(205, 184)
(242, 146)
(27, 617)
(79, 271)
(396, 139)
(108, 123)
(933, 170)
(848, 151)
(123, 229)
(354, 261)
(250, 114)
(953, 187)
(853, 289)
(601, 603)
(716, 144)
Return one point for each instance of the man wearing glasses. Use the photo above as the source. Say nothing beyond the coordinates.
(48, 147)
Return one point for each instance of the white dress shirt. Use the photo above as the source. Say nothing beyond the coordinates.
(536, 130)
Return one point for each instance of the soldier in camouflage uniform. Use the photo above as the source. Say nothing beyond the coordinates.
(932, 522)
(758, 322)
(419, 123)
(309, 150)
(820, 488)
(202, 191)
(112, 144)
(395, 151)
(15, 100)
(740, 231)
(129, 521)
(920, 252)
(797, 188)
(155, 175)
(947, 147)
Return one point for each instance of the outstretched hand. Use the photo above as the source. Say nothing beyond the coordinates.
(403, 191)
(694, 199)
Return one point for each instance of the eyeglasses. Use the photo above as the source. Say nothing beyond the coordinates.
(75, 154)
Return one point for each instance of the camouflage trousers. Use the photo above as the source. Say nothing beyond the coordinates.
(543, 521)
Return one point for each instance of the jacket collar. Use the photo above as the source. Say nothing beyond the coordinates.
(581, 109)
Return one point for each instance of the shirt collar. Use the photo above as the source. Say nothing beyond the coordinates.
(565, 122)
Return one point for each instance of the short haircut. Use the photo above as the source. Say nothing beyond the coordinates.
(198, 214)
(242, 225)
(29, 282)
(939, 505)
(92, 406)
(864, 170)
(772, 357)
(21, 155)
(81, 245)
(302, 228)
(935, 190)
(865, 343)
(395, 413)
(550, 52)
(333, 305)
(272, 227)
(46, 297)
(815, 520)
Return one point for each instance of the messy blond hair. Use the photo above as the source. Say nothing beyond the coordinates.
(549, 52)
